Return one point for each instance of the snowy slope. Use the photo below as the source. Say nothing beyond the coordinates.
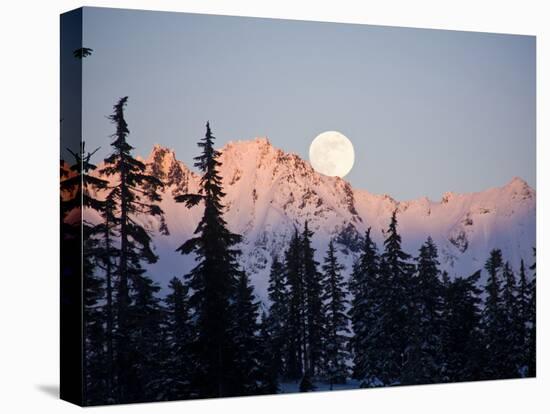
(268, 192)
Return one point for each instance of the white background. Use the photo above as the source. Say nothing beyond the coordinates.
(29, 73)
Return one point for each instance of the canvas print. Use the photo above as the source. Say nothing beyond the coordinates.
(260, 206)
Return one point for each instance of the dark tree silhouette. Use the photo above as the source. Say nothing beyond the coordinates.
(270, 359)
(523, 320)
(396, 311)
(96, 364)
(174, 381)
(83, 52)
(295, 316)
(367, 296)
(249, 371)
(274, 324)
(532, 325)
(314, 317)
(82, 187)
(106, 253)
(78, 188)
(336, 328)
(213, 280)
(523, 297)
(494, 320)
(462, 347)
(145, 340)
(135, 193)
(515, 334)
(423, 365)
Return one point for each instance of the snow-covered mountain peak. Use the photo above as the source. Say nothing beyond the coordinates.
(258, 144)
(270, 192)
(518, 187)
(161, 156)
(266, 155)
(517, 181)
(447, 196)
(164, 165)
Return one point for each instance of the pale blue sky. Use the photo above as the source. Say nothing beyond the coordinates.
(428, 111)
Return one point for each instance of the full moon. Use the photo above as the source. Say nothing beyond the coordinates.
(331, 153)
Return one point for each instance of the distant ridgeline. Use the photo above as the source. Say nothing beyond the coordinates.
(346, 302)
(269, 192)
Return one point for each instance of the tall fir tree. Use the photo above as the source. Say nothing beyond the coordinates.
(423, 365)
(532, 324)
(249, 370)
(365, 288)
(494, 320)
(213, 280)
(523, 297)
(396, 316)
(315, 318)
(175, 372)
(78, 189)
(270, 359)
(105, 235)
(523, 319)
(79, 186)
(83, 187)
(96, 361)
(275, 323)
(135, 194)
(461, 340)
(146, 339)
(295, 326)
(336, 326)
(512, 320)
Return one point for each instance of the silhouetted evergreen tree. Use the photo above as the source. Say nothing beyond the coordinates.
(247, 359)
(364, 314)
(295, 317)
(274, 324)
(461, 339)
(523, 318)
(396, 316)
(96, 363)
(79, 188)
(78, 185)
(513, 322)
(532, 324)
(523, 297)
(106, 253)
(314, 320)
(334, 310)
(270, 360)
(146, 339)
(174, 381)
(82, 52)
(494, 320)
(423, 364)
(135, 193)
(213, 280)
